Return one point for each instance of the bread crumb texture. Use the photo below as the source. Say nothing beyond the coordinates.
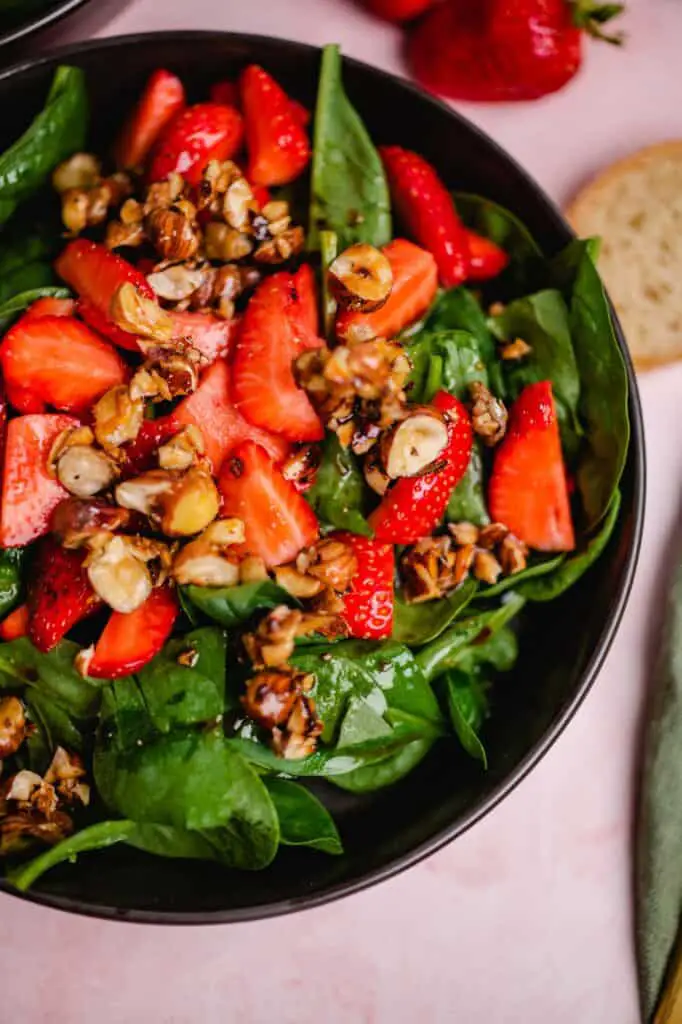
(635, 206)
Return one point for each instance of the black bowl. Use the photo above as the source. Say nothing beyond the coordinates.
(563, 644)
(18, 28)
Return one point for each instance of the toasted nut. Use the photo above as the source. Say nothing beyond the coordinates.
(301, 465)
(298, 584)
(238, 203)
(270, 696)
(252, 569)
(464, 533)
(413, 444)
(513, 554)
(85, 471)
(12, 726)
(184, 503)
(18, 831)
(117, 417)
(486, 567)
(226, 244)
(67, 438)
(132, 312)
(75, 207)
(282, 247)
(491, 535)
(119, 234)
(118, 576)
(66, 773)
(76, 522)
(332, 562)
(30, 790)
(464, 558)
(516, 349)
(164, 377)
(361, 278)
(172, 233)
(488, 414)
(496, 309)
(375, 474)
(176, 282)
(275, 210)
(203, 562)
(183, 450)
(82, 170)
(299, 738)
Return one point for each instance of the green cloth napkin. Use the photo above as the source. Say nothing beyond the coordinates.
(659, 841)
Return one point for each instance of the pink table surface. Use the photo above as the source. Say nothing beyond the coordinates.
(528, 917)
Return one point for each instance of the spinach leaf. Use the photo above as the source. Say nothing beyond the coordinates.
(192, 781)
(457, 309)
(546, 588)
(95, 837)
(386, 772)
(11, 308)
(385, 674)
(542, 321)
(12, 561)
(462, 643)
(603, 379)
(349, 190)
(498, 651)
(444, 361)
(23, 245)
(527, 266)
(303, 820)
(467, 503)
(57, 132)
(176, 695)
(339, 492)
(329, 248)
(417, 624)
(231, 606)
(468, 706)
(515, 582)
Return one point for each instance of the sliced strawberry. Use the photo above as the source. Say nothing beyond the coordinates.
(528, 491)
(275, 329)
(415, 505)
(199, 134)
(163, 98)
(415, 281)
(368, 607)
(261, 194)
(300, 113)
(278, 520)
(50, 306)
(95, 273)
(129, 641)
(486, 259)
(211, 409)
(59, 594)
(60, 362)
(428, 211)
(23, 399)
(210, 335)
(29, 493)
(276, 141)
(309, 315)
(16, 624)
(226, 93)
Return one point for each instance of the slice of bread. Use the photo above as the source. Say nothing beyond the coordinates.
(635, 206)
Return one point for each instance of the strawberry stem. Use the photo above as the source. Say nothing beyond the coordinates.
(591, 16)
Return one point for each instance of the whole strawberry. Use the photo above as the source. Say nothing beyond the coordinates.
(504, 50)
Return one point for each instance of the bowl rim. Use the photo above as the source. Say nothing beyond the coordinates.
(637, 453)
(41, 20)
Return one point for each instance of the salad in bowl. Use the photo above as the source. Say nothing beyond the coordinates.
(292, 436)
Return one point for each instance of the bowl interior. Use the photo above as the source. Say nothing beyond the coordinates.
(29, 18)
(562, 643)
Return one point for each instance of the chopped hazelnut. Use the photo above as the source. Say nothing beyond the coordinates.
(117, 417)
(361, 278)
(12, 726)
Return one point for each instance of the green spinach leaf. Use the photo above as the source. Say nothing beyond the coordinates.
(11, 308)
(177, 695)
(444, 361)
(95, 837)
(231, 606)
(457, 309)
(418, 624)
(303, 819)
(467, 503)
(546, 588)
(603, 379)
(542, 320)
(386, 772)
(468, 707)
(349, 190)
(463, 642)
(515, 582)
(339, 492)
(12, 562)
(57, 132)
